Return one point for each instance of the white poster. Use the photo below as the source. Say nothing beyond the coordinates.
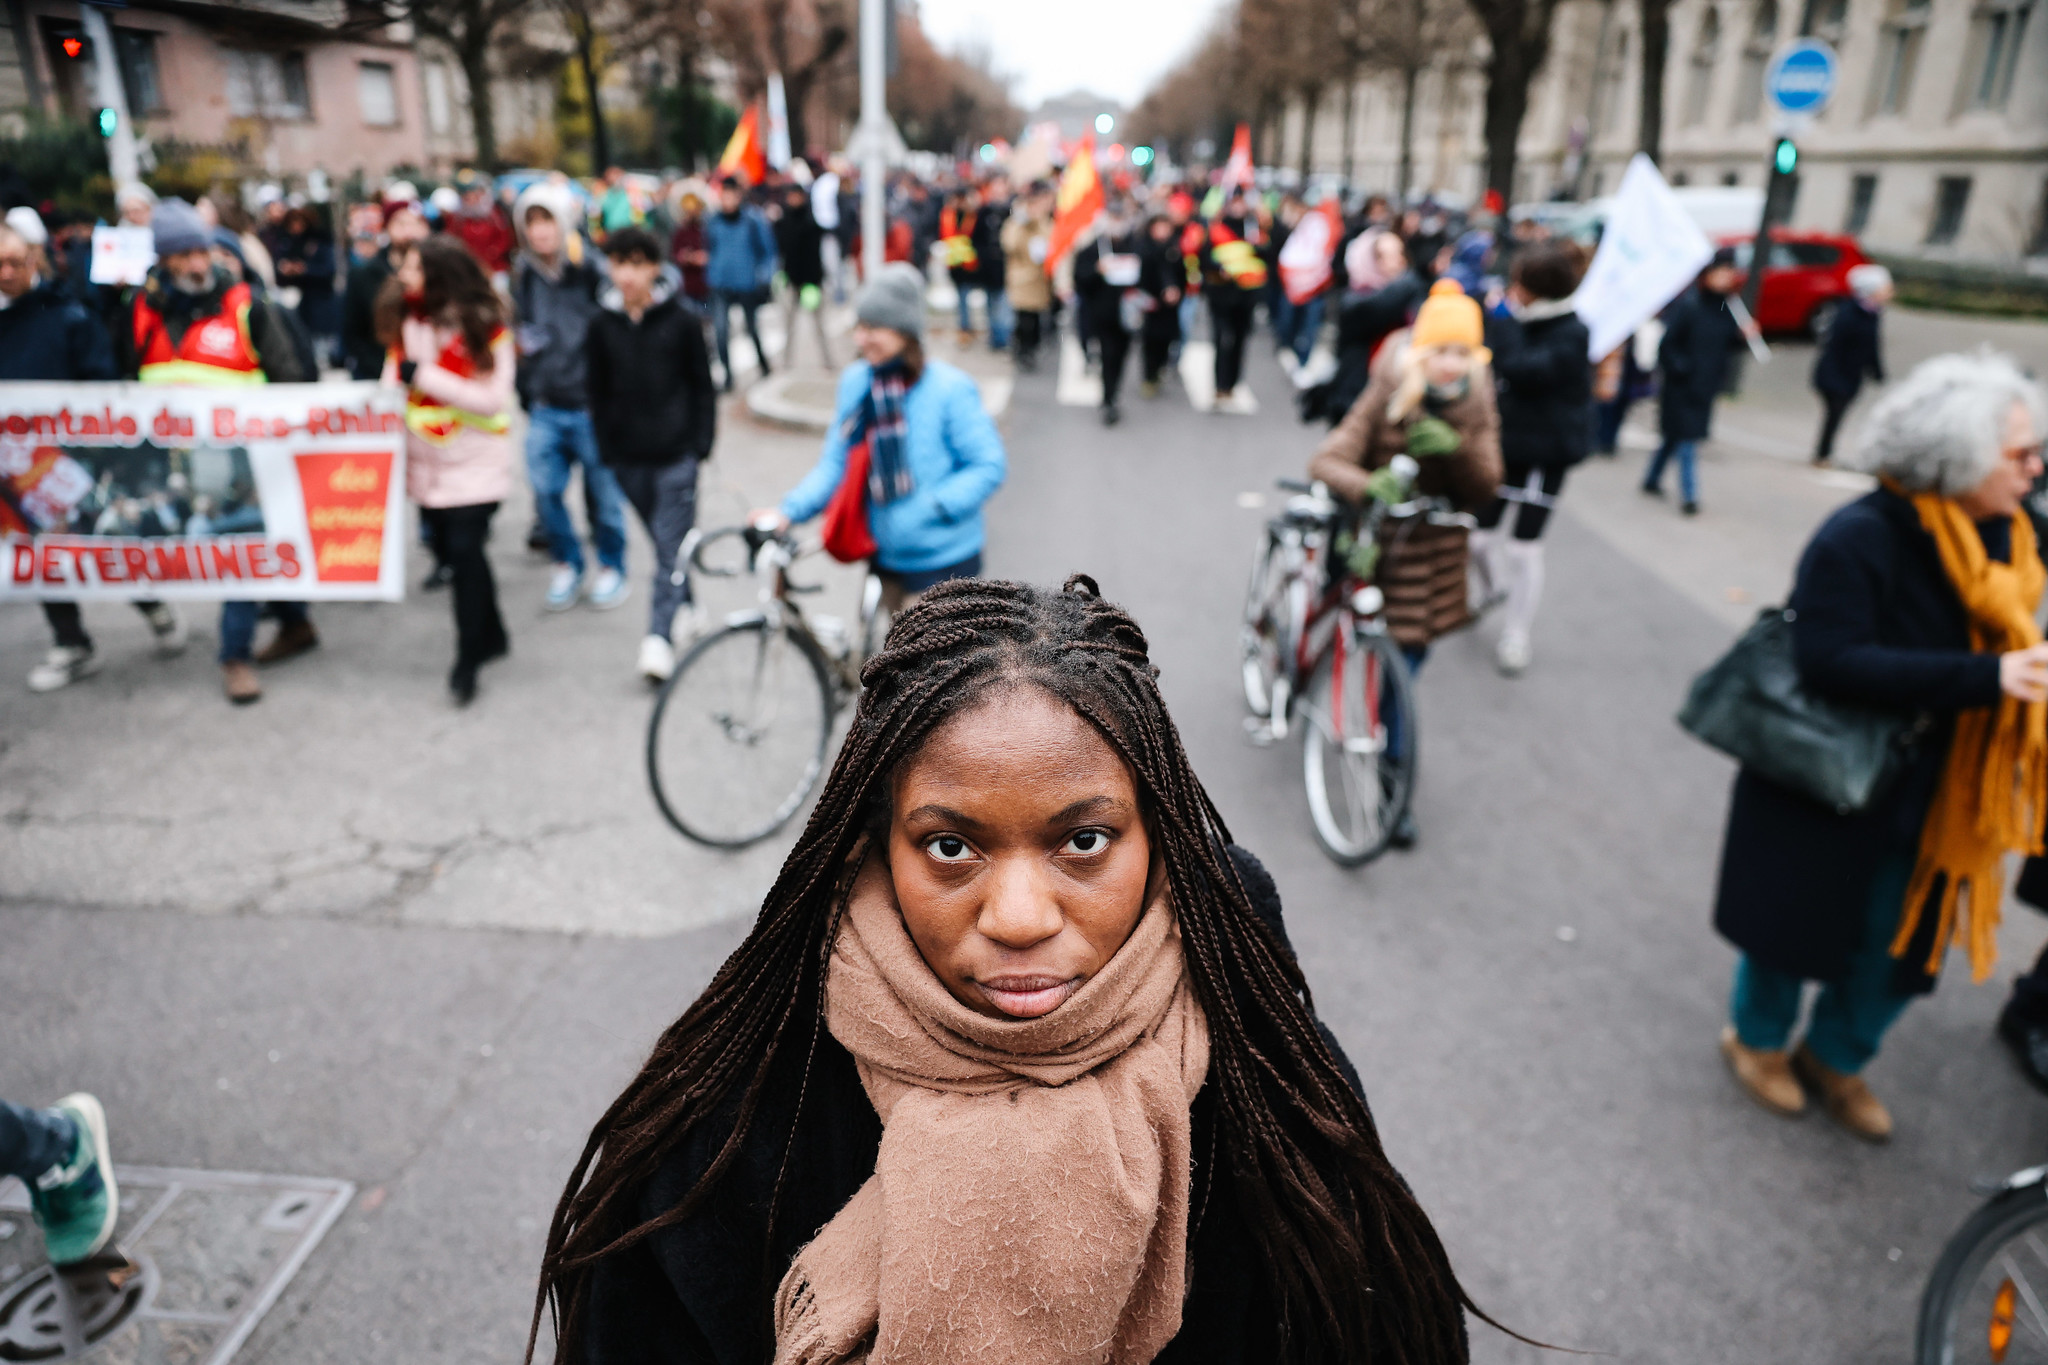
(293, 491)
(122, 254)
(1651, 251)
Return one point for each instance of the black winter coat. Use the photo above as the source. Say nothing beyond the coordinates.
(1543, 387)
(552, 319)
(47, 334)
(359, 316)
(800, 242)
(699, 1292)
(1878, 623)
(1102, 301)
(1852, 352)
(651, 398)
(1362, 321)
(1700, 333)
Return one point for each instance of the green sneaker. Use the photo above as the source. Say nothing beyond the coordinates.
(76, 1203)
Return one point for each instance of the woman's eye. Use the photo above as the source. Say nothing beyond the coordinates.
(1088, 841)
(949, 848)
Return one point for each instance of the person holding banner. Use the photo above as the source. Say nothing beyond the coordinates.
(194, 323)
(1698, 339)
(448, 344)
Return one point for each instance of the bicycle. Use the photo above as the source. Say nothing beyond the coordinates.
(1314, 640)
(1982, 1304)
(738, 735)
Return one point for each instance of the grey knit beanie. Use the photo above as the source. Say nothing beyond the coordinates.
(178, 227)
(893, 299)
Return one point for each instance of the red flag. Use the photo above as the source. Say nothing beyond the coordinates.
(1305, 262)
(1080, 200)
(1238, 170)
(744, 156)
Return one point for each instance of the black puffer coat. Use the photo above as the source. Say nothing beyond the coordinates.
(1699, 336)
(700, 1292)
(1544, 388)
(1363, 321)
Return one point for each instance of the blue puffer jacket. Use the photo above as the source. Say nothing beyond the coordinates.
(47, 334)
(956, 459)
(742, 252)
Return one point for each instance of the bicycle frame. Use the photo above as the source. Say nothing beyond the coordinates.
(769, 557)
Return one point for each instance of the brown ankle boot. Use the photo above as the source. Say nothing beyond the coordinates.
(1847, 1098)
(1766, 1075)
(291, 640)
(239, 681)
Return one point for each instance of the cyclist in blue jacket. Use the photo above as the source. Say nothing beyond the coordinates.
(935, 456)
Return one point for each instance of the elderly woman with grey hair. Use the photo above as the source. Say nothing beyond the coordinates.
(1852, 351)
(1919, 599)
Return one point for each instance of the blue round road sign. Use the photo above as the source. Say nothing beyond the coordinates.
(1802, 77)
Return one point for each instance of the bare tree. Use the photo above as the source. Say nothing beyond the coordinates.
(1402, 38)
(469, 29)
(1656, 17)
(1519, 34)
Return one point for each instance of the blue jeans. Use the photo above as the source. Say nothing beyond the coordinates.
(1298, 324)
(1687, 453)
(34, 1140)
(238, 625)
(1000, 315)
(1190, 301)
(722, 303)
(1852, 1014)
(557, 440)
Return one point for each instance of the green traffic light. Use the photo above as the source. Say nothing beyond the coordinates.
(109, 120)
(1787, 157)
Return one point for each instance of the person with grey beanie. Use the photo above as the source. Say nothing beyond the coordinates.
(934, 456)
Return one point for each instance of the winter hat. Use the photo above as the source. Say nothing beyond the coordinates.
(1448, 317)
(178, 227)
(28, 225)
(893, 299)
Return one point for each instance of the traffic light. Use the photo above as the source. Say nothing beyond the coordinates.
(1785, 159)
(109, 120)
(74, 48)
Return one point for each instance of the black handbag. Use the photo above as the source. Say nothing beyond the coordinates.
(1752, 706)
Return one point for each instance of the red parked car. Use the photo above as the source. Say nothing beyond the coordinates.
(1805, 279)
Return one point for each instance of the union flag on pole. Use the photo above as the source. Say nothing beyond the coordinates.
(1079, 201)
(1238, 170)
(1306, 262)
(744, 156)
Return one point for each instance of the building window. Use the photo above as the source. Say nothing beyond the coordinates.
(439, 107)
(1862, 194)
(1898, 52)
(1756, 60)
(1731, 179)
(1705, 50)
(377, 93)
(1825, 20)
(136, 49)
(1615, 83)
(1995, 38)
(1951, 198)
(267, 84)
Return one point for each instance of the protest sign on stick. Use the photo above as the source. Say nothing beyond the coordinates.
(292, 491)
(1650, 251)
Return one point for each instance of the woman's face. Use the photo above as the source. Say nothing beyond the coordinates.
(1018, 853)
(412, 277)
(1389, 255)
(878, 345)
(2019, 465)
(1446, 365)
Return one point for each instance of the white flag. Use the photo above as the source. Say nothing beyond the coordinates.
(778, 123)
(1650, 252)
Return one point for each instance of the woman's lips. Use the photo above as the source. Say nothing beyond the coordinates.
(1028, 997)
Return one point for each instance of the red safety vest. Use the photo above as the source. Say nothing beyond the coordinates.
(1240, 259)
(214, 350)
(437, 423)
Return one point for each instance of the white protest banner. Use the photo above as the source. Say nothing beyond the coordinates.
(291, 491)
(1305, 259)
(1649, 252)
(122, 254)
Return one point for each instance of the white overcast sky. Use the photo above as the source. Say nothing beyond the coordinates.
(1111, 47)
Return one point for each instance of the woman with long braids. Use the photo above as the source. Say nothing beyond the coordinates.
(1016, 1065)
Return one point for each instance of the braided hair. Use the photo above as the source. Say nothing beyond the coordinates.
(1356, 1269)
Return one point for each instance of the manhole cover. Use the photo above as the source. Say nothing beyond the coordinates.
(214, 1250)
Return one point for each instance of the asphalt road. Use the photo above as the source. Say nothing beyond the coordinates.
(352, 933)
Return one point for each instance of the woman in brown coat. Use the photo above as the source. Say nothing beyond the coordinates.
(1430, 397)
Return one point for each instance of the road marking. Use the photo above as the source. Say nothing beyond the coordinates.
(1076, 388)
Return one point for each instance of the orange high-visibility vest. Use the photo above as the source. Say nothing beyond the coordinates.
(214, 350)
(437, 423)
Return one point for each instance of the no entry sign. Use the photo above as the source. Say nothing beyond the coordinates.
(1802, 77)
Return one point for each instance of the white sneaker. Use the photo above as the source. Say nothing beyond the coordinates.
(563, 586)
(1511, 655)
(62, 666)
(609, 589)
(657, 659)
(169, 627)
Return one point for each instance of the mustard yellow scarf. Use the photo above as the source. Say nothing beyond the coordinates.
(1989, 800)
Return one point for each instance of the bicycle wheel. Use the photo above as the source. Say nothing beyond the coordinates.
(1358, 745)
(738, 735)
(1987, 1301)
(1263, 632)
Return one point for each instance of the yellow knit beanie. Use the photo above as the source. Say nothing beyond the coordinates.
(1448, 318)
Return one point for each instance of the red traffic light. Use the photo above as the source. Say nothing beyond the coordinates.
(74, 47)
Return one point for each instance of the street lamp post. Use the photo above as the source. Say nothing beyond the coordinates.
(122, 158)
(874, 117)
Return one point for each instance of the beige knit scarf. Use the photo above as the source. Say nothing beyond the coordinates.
(1030, 1202)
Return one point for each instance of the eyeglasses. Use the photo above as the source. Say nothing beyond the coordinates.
(2024, 454)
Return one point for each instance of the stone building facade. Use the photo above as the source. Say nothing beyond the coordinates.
(1935, 143)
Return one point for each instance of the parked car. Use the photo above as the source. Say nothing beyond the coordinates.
(1805, 278)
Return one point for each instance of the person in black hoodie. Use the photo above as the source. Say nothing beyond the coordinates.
(1851, 351)
(1544, 382)
(1699, 336)
(800, 243)
(1105, 270)
(655, 412)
